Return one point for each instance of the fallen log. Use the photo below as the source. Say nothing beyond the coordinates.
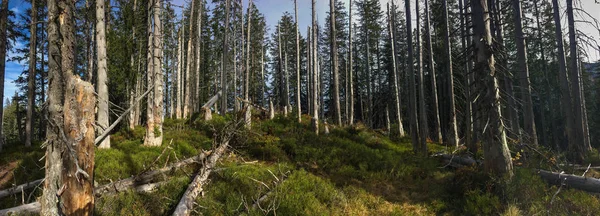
(463, 161)
(206, 107)
(146, 177)
(577, 182)
(34, 207)
(19, 188)
(31, 208)
(186, 203)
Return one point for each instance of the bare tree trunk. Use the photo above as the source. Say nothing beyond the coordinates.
(368, 111)
(187, 83)
(437, 131)
(3, 41)
(453, 131)
(422, 110)
(178, 111)
(287, 85)
(412, 110)
(496, 153)
(150, 76)
(282, 95)
(309, 69)
(68, 185)
(468, 133)
(31, 75)
(198, 62)
(334, 65)
(351, 73)
(248, 114)
(298, 102)
(157, 110)
(394, 74)
(315, 114)
(262, 74)
(103, 116)
(547, 88)
(529, 120)
(578, 147)
(224, 61)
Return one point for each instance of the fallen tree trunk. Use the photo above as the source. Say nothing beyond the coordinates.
(186, 203)
(206, 107)
(577, 182)
(19, 188)
(463, 161)
(31, 208)
(34, 207)
(147, 177)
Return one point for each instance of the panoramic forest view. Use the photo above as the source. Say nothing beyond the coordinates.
(300, 107)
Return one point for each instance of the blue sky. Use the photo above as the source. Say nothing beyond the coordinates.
(273, 10)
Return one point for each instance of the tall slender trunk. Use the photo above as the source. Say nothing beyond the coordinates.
(351, 73)
(437, 131)
(31, 75)
(225, 61)
(309, 69)
(334, 65)
(298, 102)
(262, 74)
(3, 41)
(102, 115)
(287, 84)
(394, 72)
(198, 61)
(525, 84)
(368, 112)
(422, 110)
(248, 115)
(412, 110)
(281, 70)
(495, 149)
(315, 107)
(472, 146)
(178, 111)
(150, 76)
(452, 131)
(89, 29)
(68, 184)
(187, 83)
(579, 147)
(545, 101)
(158, 75)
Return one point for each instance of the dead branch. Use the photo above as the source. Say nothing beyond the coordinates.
(19, 188)
(116, 122)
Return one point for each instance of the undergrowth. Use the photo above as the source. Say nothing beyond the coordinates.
(280, 167)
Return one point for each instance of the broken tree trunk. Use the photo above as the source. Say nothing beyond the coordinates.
(140, 183)
(206, 107)
(578, 182)
(19, 188)
(186, 203)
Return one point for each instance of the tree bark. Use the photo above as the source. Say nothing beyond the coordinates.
(334, 65)
(412, 110)
(525, 84)
(298, 90)
(495, 149)
(422, 109)
(248, 114)
(453, 131)
(31, 75)
(179, 86)
(351, 73)
(3, 42)
(103, 115)
(579, 148)
(315, 114)
(437, 131)
(68, 186)
(158, 108)
(187, 84)
(225, 61)
(394, 72)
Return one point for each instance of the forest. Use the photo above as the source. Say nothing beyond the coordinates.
(288, 107)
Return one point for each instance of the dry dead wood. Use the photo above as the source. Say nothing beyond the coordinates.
(577, 182)
(19, 188)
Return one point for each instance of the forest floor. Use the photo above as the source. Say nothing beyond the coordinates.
(292, 171)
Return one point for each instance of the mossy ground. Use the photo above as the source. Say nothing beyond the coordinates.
(351, 171)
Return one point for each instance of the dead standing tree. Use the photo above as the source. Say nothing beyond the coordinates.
(68, 188)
